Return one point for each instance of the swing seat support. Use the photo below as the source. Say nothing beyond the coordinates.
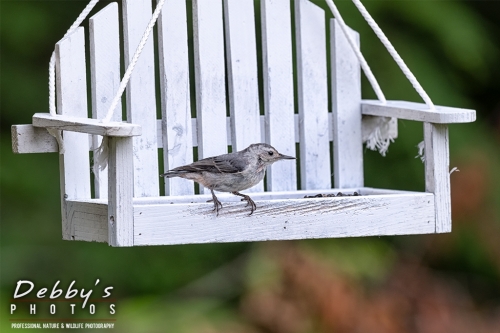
(229, 62)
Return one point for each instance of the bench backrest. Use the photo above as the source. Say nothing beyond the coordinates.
(242, 90)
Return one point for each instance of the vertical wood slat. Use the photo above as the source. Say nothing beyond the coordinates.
(71, 88)
(210, 81)
(210, 77)
(278, 90)
(312, 96)
(141, 103)
(437, 176)
(346, 104)
(120, 193)
(241, 51)
(175, 92)
(105, 76)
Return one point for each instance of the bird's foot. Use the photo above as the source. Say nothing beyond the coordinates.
(249, 201)
(217, 204)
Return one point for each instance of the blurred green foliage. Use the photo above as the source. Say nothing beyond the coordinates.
(453, 48)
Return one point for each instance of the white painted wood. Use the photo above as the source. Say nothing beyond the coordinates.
(71, 88)
(437, 172)
(286, 209)
(120, 193)
(36, 140)
(263, 196)
(369, 124)
(90, 221)
(210, 77)
(418, 112)
(283, 214)
(278, 90)
(210, 81)
(371, 191)
(29, 139)
(104, 36)
(85, 125)
(312, 88)
(241, 51)
(346, 99)
(175, 92)
(285, 219)
(141, 100)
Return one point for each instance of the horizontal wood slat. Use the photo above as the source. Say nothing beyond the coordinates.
(417, 112)
(285, 219)
(36, 139)
(85, 125)
(279, 216)
(27, 139)
(89, 220)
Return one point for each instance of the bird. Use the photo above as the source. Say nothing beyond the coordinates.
(233, 172)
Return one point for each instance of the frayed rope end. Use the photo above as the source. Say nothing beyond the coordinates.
(101, 154)
(421, 151)
(379, 135)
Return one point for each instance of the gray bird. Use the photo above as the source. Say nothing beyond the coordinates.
(232, 172)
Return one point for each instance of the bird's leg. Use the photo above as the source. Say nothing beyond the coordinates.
(248, 200)
(216, 201)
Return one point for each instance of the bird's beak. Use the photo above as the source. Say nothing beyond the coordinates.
(285, 157)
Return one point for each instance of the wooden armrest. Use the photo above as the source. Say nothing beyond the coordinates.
(86, 125)
(418, 112)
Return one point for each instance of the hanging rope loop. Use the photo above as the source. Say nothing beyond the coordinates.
(364, 65)
(52, 74)
(388, 45)
(395, 55)
(52, 64)
(101, 153)
(133, 62)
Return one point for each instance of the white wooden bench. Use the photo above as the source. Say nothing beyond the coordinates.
(126, 208)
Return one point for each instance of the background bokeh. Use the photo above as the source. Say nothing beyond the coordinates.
(425, 283)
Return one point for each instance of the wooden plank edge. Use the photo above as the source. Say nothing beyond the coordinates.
(28, 139)
(395, 214)
(262, 196)
(417, 112)
(89, 220)
(86, 125)
(90, 216)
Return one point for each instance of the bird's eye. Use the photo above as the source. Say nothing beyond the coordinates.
(270, 153)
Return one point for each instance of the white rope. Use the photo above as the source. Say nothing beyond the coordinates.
(454, 169)
(52, 63)
(421, 151)
(135, 58)
(395, 55)
(368, 72)
(101, 153)
(378, 134)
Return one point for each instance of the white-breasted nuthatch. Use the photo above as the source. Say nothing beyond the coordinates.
(232, 172)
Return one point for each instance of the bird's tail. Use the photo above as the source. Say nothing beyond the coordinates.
(172, 173)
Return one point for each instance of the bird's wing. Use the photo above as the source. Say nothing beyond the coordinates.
(228, 163)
